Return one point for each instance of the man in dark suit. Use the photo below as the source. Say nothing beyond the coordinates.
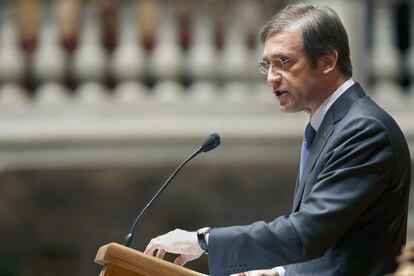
(349, 213)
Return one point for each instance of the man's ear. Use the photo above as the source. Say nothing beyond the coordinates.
(329, 61)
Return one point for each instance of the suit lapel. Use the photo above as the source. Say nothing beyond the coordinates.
(296, 192)
(335, 113)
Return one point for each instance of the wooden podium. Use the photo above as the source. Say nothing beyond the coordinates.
(119, 260)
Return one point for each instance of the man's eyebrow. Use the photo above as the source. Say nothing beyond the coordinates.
(273, 56)
(276, 56)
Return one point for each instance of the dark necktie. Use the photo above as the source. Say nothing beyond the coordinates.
(306, 144)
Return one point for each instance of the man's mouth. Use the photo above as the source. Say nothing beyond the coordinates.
(278, 93)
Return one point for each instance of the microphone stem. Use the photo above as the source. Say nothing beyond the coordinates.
(143, 212)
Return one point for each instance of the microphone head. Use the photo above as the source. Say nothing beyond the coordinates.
(128, 239)
(211, 142)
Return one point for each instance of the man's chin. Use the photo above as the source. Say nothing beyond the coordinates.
(286, 110)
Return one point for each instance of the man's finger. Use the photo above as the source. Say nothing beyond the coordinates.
(181, 260)
(150, 249)
(160, 253)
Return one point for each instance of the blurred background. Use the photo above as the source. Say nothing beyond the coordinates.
(100, 100)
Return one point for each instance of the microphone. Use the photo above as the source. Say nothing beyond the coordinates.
(212, 141)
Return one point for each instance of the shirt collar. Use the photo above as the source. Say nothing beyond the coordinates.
(318, 116)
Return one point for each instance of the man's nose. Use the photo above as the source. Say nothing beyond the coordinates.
(273, 77)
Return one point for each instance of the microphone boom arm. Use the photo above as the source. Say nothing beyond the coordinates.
(130, 236)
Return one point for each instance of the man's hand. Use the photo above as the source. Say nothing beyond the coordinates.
(179, 242)
(267, 272)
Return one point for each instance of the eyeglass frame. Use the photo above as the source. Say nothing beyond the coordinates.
(264, 66)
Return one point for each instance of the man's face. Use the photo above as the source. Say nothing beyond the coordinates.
(296, 85)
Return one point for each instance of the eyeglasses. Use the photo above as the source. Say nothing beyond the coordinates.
(279, 64)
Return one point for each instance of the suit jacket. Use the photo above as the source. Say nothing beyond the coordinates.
(349, 212)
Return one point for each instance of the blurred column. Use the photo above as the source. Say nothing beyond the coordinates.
(12, 95)
(166, 59)
(28, 22)
(388, 94)
(219, 9)
(252, 20)
(402, 14)
(90, 58)
(148, 21)
(410, 53)
(52, 94)
(68, 23)
(234, 64)
(131, 93)
(168, 92)
(185, 19)
(385, 59)
(49, 58)
(384, 55)
(148, 16)
(201, 59)
(109, 22)
(108, 13)
(235, 60)
(91, 94)
(68, 13)
(12, 60)
(128, 60)
(201, 62)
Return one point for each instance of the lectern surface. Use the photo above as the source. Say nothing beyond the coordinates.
(120, 260)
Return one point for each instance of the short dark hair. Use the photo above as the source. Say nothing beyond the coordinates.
(322, 32)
